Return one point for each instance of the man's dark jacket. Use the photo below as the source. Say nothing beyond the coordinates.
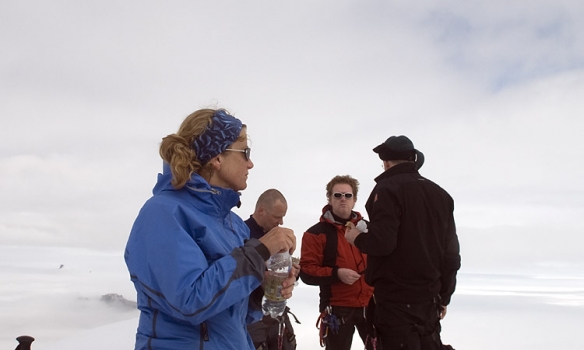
(255, 230)
(266, 331)
(411, 243)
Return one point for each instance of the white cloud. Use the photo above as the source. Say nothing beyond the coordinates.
(490, 96)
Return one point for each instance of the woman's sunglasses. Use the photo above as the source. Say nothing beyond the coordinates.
(246, 152)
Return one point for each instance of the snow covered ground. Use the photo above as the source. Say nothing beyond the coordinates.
(541, 307)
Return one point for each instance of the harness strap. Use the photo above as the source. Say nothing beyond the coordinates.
(372, 340)
(281, 329)
(295, 318)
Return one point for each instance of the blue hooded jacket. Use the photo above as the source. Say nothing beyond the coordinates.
(194, 268)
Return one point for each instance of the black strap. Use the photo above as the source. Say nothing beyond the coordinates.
(287, 310)
(330, 249)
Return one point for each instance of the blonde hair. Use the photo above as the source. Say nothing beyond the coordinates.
(175, 149)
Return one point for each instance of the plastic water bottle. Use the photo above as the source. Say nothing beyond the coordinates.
(279, 266)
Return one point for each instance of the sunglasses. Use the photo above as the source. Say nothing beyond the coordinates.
(246, 152)
(347, 195)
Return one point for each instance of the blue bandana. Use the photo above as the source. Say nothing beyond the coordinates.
(220, 134)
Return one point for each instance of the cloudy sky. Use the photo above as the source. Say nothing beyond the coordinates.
(487, 90)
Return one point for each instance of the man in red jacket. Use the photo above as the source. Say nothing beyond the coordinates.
(412, 250)
(337, 267)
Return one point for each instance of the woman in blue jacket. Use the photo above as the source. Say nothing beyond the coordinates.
(195, 269)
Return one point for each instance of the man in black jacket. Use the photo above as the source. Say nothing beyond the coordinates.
(269, 212)
(412, 249)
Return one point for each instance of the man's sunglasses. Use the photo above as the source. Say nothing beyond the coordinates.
(246, 152)
(347, 195)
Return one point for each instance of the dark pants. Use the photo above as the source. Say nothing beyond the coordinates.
(349, 319)
(414, 326)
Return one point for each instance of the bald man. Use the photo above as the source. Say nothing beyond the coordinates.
(269, 212)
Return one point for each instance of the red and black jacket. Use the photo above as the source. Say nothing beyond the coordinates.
(324, 250)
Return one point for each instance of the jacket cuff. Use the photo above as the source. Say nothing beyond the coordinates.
(259, 247)
(335, 273)
(263, 251)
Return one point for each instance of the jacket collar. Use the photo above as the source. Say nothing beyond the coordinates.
(327, 216)
(401, 168)
(255, 230)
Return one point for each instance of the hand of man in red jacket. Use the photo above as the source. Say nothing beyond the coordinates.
(347, 276)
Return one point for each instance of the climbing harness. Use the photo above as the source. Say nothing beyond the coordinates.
(325, 322)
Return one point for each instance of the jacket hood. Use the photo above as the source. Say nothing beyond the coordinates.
(327, 216)
(216, 200)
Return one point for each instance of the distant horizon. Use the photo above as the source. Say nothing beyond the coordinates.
(52, 304)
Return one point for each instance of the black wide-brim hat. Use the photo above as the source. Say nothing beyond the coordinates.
(400, 148)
